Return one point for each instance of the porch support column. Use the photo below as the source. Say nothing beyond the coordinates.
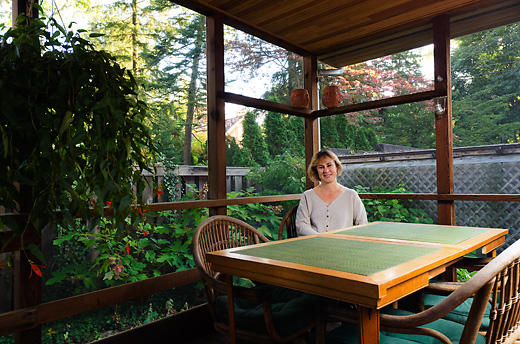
(27, 292)
(312, 137)
(216, 112)
(23, 6)
(443, 122)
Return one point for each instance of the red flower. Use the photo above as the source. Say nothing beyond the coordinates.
(145, 233)
(36, 269)
(141, 211)
(1, 265)
(159, 193)
(108, 203)
(127, 249)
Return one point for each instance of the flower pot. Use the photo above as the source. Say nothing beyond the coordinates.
(331, 96)
(300, 98)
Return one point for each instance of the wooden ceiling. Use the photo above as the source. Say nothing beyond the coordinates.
(343, 32)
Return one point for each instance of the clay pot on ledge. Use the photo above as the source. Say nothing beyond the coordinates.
(300, 98)
(331, 96)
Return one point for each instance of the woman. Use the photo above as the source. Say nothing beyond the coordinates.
(329, 205)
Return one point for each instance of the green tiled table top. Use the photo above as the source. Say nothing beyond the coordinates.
(413, 232)
(358, 257)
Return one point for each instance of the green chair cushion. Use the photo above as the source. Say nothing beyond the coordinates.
(292, 310)
(459, 314)
(349, 333)
(450, 329)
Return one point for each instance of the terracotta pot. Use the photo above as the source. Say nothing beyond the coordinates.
(331, 96)
(300, 98)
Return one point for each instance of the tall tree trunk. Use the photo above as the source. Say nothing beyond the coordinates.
(134, 37)
(292, 78)
(192, 91)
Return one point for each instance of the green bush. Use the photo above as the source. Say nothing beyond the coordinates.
(89, 260)
(392, 210)
(285, 174)
(264, 217)
(86, 260)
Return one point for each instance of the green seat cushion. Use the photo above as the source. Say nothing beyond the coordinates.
(292, 310)
(450, 329)
(349, 333)
(459, 314)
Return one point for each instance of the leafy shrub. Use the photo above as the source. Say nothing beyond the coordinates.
(285, 174)
(86, 260)
(392, 210)
(264, 217)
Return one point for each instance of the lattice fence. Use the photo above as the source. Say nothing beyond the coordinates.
(490, 174)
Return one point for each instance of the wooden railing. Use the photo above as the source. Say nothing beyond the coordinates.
(27, 318)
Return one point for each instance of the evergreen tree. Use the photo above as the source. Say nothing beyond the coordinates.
(337, 132)
(296, 136)
(411, 125)
(275, 131)
(329, 134)
(486, 80)
(253, 140)
(236, 156)
(180, 50)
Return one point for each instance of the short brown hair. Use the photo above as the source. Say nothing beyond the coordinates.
(312, 170)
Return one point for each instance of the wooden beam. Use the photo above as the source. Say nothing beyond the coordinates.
(216, 112)
(312, 130)
(33, 316)
(290, 110)
(209, 10)
(375, 104)
(265, 105)
(443, 120)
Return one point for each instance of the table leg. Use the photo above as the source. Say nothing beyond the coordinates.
(231, 310)
(368, 325)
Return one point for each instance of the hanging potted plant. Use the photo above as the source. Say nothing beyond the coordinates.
(73, 137)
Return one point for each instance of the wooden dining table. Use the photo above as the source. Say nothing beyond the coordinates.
(371, 265)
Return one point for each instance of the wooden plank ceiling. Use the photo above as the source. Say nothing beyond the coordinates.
(343, 32)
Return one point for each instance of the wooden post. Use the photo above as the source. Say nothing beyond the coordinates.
(27, 291)
(312, 137)
(216, 112)
(23, 6)
(443, 122)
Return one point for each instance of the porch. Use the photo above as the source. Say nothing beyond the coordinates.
(416, 25)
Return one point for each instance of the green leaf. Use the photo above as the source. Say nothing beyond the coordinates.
(58, 276)
(109, 275)
(66, 122)
(35, 250)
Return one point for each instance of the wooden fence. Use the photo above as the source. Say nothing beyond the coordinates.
(236, 180)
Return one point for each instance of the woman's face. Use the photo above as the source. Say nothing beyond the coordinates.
(327, 170)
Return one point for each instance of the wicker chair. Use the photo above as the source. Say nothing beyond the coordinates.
(288, 224)
(264, 313)
(498, 282)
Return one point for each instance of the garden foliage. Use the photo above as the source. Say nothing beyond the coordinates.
(73, 137)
